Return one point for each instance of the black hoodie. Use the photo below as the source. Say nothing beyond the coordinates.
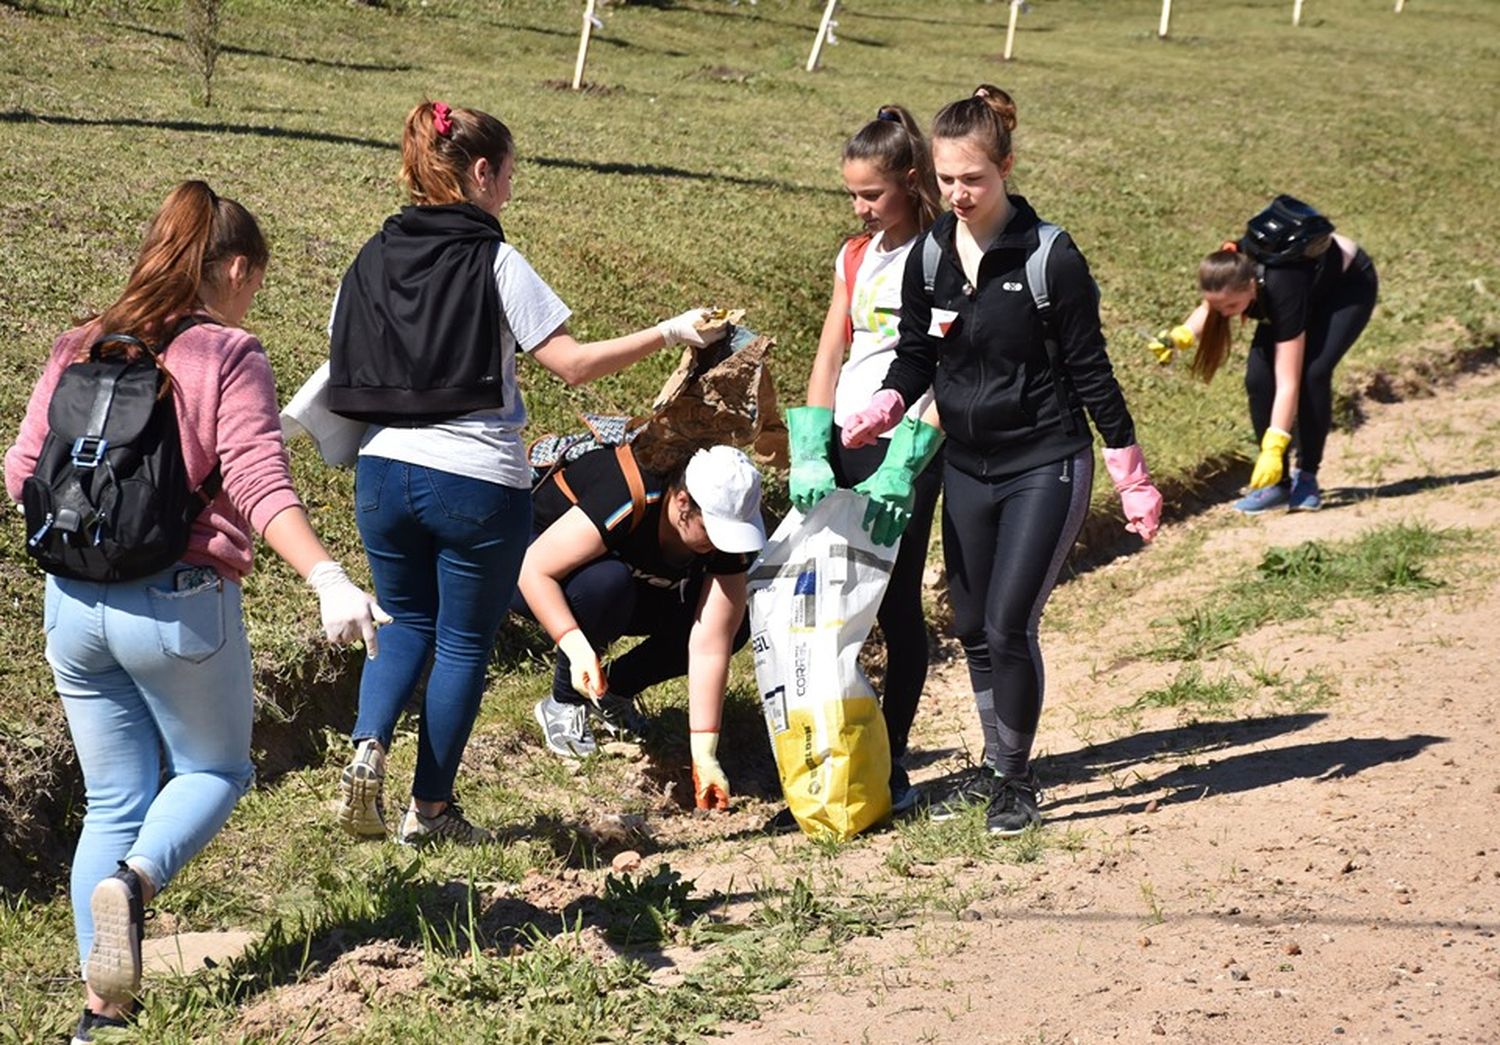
(995, 386)
(416, 331)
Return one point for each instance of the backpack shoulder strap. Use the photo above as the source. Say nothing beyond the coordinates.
(633, 480)
(1041, 293)
(854, 253)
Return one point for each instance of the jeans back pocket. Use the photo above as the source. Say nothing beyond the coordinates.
(190, 623)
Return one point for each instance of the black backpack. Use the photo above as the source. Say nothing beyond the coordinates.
(1286, 231)
(110, 500)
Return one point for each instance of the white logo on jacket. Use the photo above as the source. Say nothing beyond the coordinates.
(1012, 286)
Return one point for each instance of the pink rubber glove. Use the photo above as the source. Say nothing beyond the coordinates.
(1138, 495)
(883, 413)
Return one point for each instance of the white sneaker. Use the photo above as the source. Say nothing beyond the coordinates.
(361, 809)
(565, 728)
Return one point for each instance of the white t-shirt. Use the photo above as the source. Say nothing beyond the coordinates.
(876, 312)
(486, 444)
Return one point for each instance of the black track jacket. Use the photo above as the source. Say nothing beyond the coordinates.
(994, 386)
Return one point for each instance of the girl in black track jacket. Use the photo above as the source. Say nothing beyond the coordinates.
(1012, 389)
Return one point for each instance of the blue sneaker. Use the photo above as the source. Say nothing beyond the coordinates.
(1305, 496)
(1264, 499)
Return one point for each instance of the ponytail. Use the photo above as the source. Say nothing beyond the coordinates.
(894, 144)
(1225, 269)
(988, 117)
(438, 146)
(191, 236)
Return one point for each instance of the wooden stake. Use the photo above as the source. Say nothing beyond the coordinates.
(1166, 18)
(1400, 5)
(583, 44)
(817, 47)
(1010, 30)
(1296, 12)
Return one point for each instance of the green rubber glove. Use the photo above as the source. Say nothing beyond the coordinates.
(892, 488)
(810, 429)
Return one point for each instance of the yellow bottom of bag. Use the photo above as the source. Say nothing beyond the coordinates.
(835, 765)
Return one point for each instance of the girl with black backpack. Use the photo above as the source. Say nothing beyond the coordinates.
(159, 664)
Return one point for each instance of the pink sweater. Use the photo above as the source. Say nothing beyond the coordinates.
(225, 396)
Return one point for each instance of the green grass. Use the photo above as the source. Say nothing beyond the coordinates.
(1294, 583)
(705, 172)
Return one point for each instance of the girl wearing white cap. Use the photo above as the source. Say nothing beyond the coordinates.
(621, 551)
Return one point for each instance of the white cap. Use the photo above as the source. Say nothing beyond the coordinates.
(726, 487)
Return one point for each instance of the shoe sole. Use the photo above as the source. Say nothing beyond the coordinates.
(114, 964)
(1304, 508)
(562, 750)
(1013, 832)
(361, 792)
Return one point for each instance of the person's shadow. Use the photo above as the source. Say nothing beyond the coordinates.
(1342, 496)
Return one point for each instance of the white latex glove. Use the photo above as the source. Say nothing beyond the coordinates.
(583, 665)
(683, 329)
(349, 614)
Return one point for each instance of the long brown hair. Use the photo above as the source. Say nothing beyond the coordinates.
(193, 234)
(1223, 270)
(988, 116)
(894, 144)
(439, 145)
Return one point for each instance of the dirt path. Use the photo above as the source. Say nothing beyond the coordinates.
(1303, 869)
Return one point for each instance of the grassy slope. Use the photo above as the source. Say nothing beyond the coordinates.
(707, 173)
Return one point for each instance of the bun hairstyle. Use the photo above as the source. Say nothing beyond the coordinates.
(1226, 269)
(988, 116)
(894, 144)
(191, 237)
(440, 144)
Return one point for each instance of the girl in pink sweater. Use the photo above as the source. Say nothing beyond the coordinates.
(161, 664)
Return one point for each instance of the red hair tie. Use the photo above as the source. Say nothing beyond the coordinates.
(1230, 245)
(442, 122)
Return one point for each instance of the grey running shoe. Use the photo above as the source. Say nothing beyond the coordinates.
(113, 970)
(977, 788)
(904, 797)
(361, 810)
(1015, 808)
(448, 826)
(621, 719)
(565, 728)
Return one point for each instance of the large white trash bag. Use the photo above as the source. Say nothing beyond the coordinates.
(814, 593)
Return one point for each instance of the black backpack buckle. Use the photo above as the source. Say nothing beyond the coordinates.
(88, 451)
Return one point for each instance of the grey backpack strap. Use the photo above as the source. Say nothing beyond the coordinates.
(932, 253)
(1036, 279)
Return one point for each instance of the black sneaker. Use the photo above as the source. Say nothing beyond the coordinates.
(91, 1021)
(113, 970)
(977, 788)
(1015, 807)
(783, 823)
(620, 719)
(904, 797)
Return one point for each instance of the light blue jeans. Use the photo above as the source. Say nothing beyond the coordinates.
(156, 686)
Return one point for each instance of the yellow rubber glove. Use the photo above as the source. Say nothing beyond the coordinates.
(710, 785)
(1178, 339)
(1268, 465)
(583, 664)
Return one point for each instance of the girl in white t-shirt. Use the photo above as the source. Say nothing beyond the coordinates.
(887, 170)
(426, 329)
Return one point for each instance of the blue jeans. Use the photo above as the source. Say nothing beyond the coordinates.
(445, 552)
(146, 671)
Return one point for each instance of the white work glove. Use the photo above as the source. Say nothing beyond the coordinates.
(710, 785)
(349, 614)
(683, 329)
(583, 665)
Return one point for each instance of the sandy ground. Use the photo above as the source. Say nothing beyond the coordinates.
(1295, 873)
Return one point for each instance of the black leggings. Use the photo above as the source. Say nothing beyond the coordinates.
(900, 615)
(1332, 329)
(609, 602)
(1005, 542)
